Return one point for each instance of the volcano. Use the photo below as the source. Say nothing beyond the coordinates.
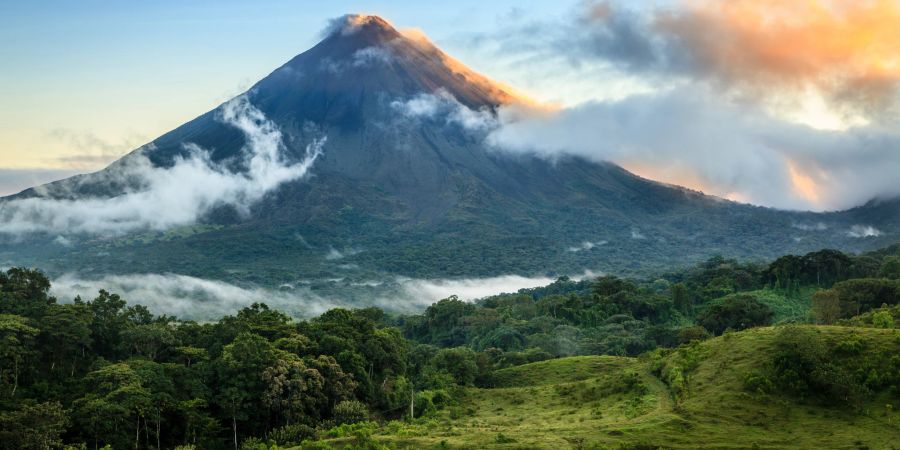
(407, 185)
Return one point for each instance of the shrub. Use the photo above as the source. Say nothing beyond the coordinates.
(356, 429)
(803, 365)
(758, 383)
(292, 434)
(458, 362)
(736, 312)
(690, 334)
(253, 443)
(350, 411)
(883, 319)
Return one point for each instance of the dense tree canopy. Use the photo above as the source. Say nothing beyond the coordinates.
(103, 372)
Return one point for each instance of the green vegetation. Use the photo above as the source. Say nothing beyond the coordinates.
(607, 362)
(621, 402)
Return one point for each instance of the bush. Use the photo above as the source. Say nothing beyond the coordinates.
(292, 434)
(356, 429)
(429, 401)
(253, 443)
(883, 319)
(458, 362)
(690, 334)
(350, 411)
(802, 365)
(758, 383)
(737, 312)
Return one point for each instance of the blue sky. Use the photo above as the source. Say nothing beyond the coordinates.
(100, 78)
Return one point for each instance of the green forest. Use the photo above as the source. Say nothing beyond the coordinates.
(606, 362)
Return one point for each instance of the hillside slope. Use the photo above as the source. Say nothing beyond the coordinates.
(618, 402)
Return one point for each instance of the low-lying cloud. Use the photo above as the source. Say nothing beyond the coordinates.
(586, 245)
(863, 231)
(158, 198)
(426, 292)
(442, 105)
(201, 299)
(192, 298)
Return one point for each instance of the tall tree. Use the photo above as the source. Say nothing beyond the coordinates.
(16, 345)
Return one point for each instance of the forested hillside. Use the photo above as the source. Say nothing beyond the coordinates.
(515, 370)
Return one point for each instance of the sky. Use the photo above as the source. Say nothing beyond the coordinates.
(783, 104)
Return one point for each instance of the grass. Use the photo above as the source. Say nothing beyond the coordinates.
(618, 402)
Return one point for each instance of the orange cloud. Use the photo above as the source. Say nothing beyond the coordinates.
(803, 184)
(847, 49)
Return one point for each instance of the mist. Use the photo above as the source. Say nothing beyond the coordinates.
(201, 299)
(158, 198)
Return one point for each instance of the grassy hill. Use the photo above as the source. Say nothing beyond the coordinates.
(694, 397)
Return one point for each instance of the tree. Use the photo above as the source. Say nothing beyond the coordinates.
(458, 362)
(890, 268)
(108, 321)
(115, 395)
(826, 306)
(33, 426)
(16, 345)
(681, 298)
(290, 390)
(24, 292)
(735, 312)
(148, 340)
(156, 380)
(241, 386)
(66, 335)
(860, 295)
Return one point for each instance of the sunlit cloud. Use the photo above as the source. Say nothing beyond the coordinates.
(842, 52)
(737, 151)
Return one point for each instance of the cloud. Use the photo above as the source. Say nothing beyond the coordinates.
(818, 226)
(371, 55)
(691, 137)
(335, 254)
(586, 245)
(426, 292)
(843, 51)
(348, 24)
(190, 297)
(362, 58)
(441, 105)
(863, 231)
(163, 197)
(201, 299)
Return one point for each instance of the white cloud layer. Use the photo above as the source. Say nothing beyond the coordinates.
(863, 231)
(690, 136)
(201, 299)
(441, 105)
(163, 197)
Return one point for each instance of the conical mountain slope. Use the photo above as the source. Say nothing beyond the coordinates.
(406, 185)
